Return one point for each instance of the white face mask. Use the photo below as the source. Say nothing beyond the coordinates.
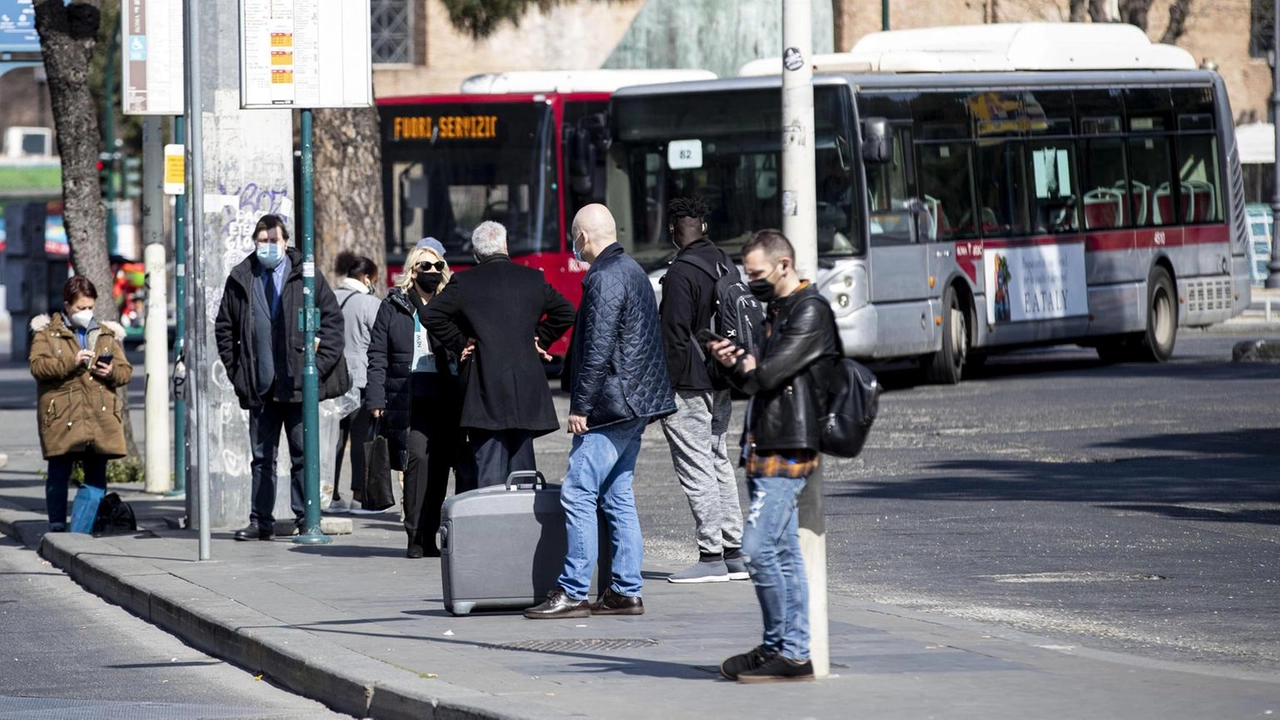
(82, 318)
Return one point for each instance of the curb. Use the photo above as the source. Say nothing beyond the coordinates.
(336, 676)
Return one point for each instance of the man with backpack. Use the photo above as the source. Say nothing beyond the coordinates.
(703, 291)
(787, 379)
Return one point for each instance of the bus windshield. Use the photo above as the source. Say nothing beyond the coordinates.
(726, 148)
(453, 166)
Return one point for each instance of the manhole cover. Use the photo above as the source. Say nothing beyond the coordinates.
(575, 645)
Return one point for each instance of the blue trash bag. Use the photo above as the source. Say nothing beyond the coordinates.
(85, 509)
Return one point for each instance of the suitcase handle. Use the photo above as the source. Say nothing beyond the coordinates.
(535, 474)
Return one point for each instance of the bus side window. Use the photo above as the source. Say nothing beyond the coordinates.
(946, 182)
(1198, 173)
(1002, 188)
(1102, 183)
(889, 194)
(1053, 202)
(1150, 166)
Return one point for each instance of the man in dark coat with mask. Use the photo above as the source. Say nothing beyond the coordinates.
(260, 343)
(492, 315)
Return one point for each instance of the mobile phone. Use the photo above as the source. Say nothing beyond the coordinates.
(106, 358)
(706, 336)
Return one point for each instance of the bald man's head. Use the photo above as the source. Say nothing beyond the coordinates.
(594, 230)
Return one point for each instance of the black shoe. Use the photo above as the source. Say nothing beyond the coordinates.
(414, 552)
(559, 605)
(747, 661)
(778, 669)
(254, 532)
(611, 603)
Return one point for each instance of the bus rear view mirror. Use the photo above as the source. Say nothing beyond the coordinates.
(413, 197)
(875, 141)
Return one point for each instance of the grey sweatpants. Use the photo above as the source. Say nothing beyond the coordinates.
(699, 451)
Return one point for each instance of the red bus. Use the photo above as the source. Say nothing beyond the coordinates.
(525, 149)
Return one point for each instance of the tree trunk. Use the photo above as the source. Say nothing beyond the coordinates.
(68, 37)
(1098, 11)
(348, 187)
(1078, 10)
(1136, 12)
(1179, 11)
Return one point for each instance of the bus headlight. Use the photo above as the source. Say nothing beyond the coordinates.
(842, 300)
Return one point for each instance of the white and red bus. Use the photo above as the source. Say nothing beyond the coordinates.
(980, 189)
(525, 149)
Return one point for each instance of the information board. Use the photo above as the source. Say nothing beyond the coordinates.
(151, 57)
(305, 54)
(18, 26)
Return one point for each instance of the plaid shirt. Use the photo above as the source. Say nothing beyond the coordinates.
(797, 463)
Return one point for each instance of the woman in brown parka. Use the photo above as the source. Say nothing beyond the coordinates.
(78, 363)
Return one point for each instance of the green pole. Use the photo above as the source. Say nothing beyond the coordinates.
(884, 15)
(311, 534)
(180, 301)
(109, 137)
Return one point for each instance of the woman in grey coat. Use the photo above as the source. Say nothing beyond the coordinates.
(355, 295)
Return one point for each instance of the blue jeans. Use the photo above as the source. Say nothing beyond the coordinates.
(771, 542)
(602, 464)
(55, 484)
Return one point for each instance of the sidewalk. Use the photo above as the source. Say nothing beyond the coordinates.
(362, 629)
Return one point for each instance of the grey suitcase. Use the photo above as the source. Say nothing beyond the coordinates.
(503, 546)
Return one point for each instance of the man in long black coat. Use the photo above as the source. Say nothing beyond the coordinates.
(495, 312)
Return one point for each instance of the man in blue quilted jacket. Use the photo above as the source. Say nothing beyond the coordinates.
(618, 384)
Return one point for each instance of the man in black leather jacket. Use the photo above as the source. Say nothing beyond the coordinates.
(787, 384)
(618, 384)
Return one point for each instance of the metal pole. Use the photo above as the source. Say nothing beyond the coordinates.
(157, 323)
(180, 313)
(884, 15)
(199, 340)
(109, 138)
(1273, 268)
(311, 534)
(800, 225)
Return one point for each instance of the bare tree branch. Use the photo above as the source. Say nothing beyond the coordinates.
(1098, 11)
(1179, 11)
(1078, 10)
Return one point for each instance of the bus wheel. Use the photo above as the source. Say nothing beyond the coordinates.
(946, 366)
(1162, 318)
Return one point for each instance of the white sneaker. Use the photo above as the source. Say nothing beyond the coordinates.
(703, 571)
(737, 568)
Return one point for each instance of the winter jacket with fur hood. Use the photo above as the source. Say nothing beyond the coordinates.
(76, 411)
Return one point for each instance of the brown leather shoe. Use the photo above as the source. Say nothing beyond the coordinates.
(611, 603)
(559, 605)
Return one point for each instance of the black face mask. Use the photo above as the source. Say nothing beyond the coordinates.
(428, 282)
(762, 289)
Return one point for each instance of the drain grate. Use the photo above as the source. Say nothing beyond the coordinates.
(576, 645)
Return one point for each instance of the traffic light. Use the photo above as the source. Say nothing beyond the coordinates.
(132, 176)
(107, 175)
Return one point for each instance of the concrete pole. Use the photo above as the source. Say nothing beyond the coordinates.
(195, 184)
(156, 359)
(800, 225)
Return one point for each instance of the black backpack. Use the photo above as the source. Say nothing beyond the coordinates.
(736, 315)
(114, 516)
(853, 399)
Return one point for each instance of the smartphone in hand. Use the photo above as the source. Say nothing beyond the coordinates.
(106, 358)
(706, 337)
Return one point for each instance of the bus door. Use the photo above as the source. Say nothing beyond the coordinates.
(898, 250)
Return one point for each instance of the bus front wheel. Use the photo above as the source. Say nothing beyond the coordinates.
(946, 366)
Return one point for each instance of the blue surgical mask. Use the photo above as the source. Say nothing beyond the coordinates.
(270, 255)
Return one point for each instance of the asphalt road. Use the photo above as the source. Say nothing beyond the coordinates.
(67, 654)
(1131, 507)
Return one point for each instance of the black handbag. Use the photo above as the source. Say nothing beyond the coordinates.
(377, 493)
(853, 399)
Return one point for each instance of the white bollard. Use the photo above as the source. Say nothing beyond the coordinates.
(156, 363)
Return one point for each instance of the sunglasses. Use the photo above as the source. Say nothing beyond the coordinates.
(425, 266)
